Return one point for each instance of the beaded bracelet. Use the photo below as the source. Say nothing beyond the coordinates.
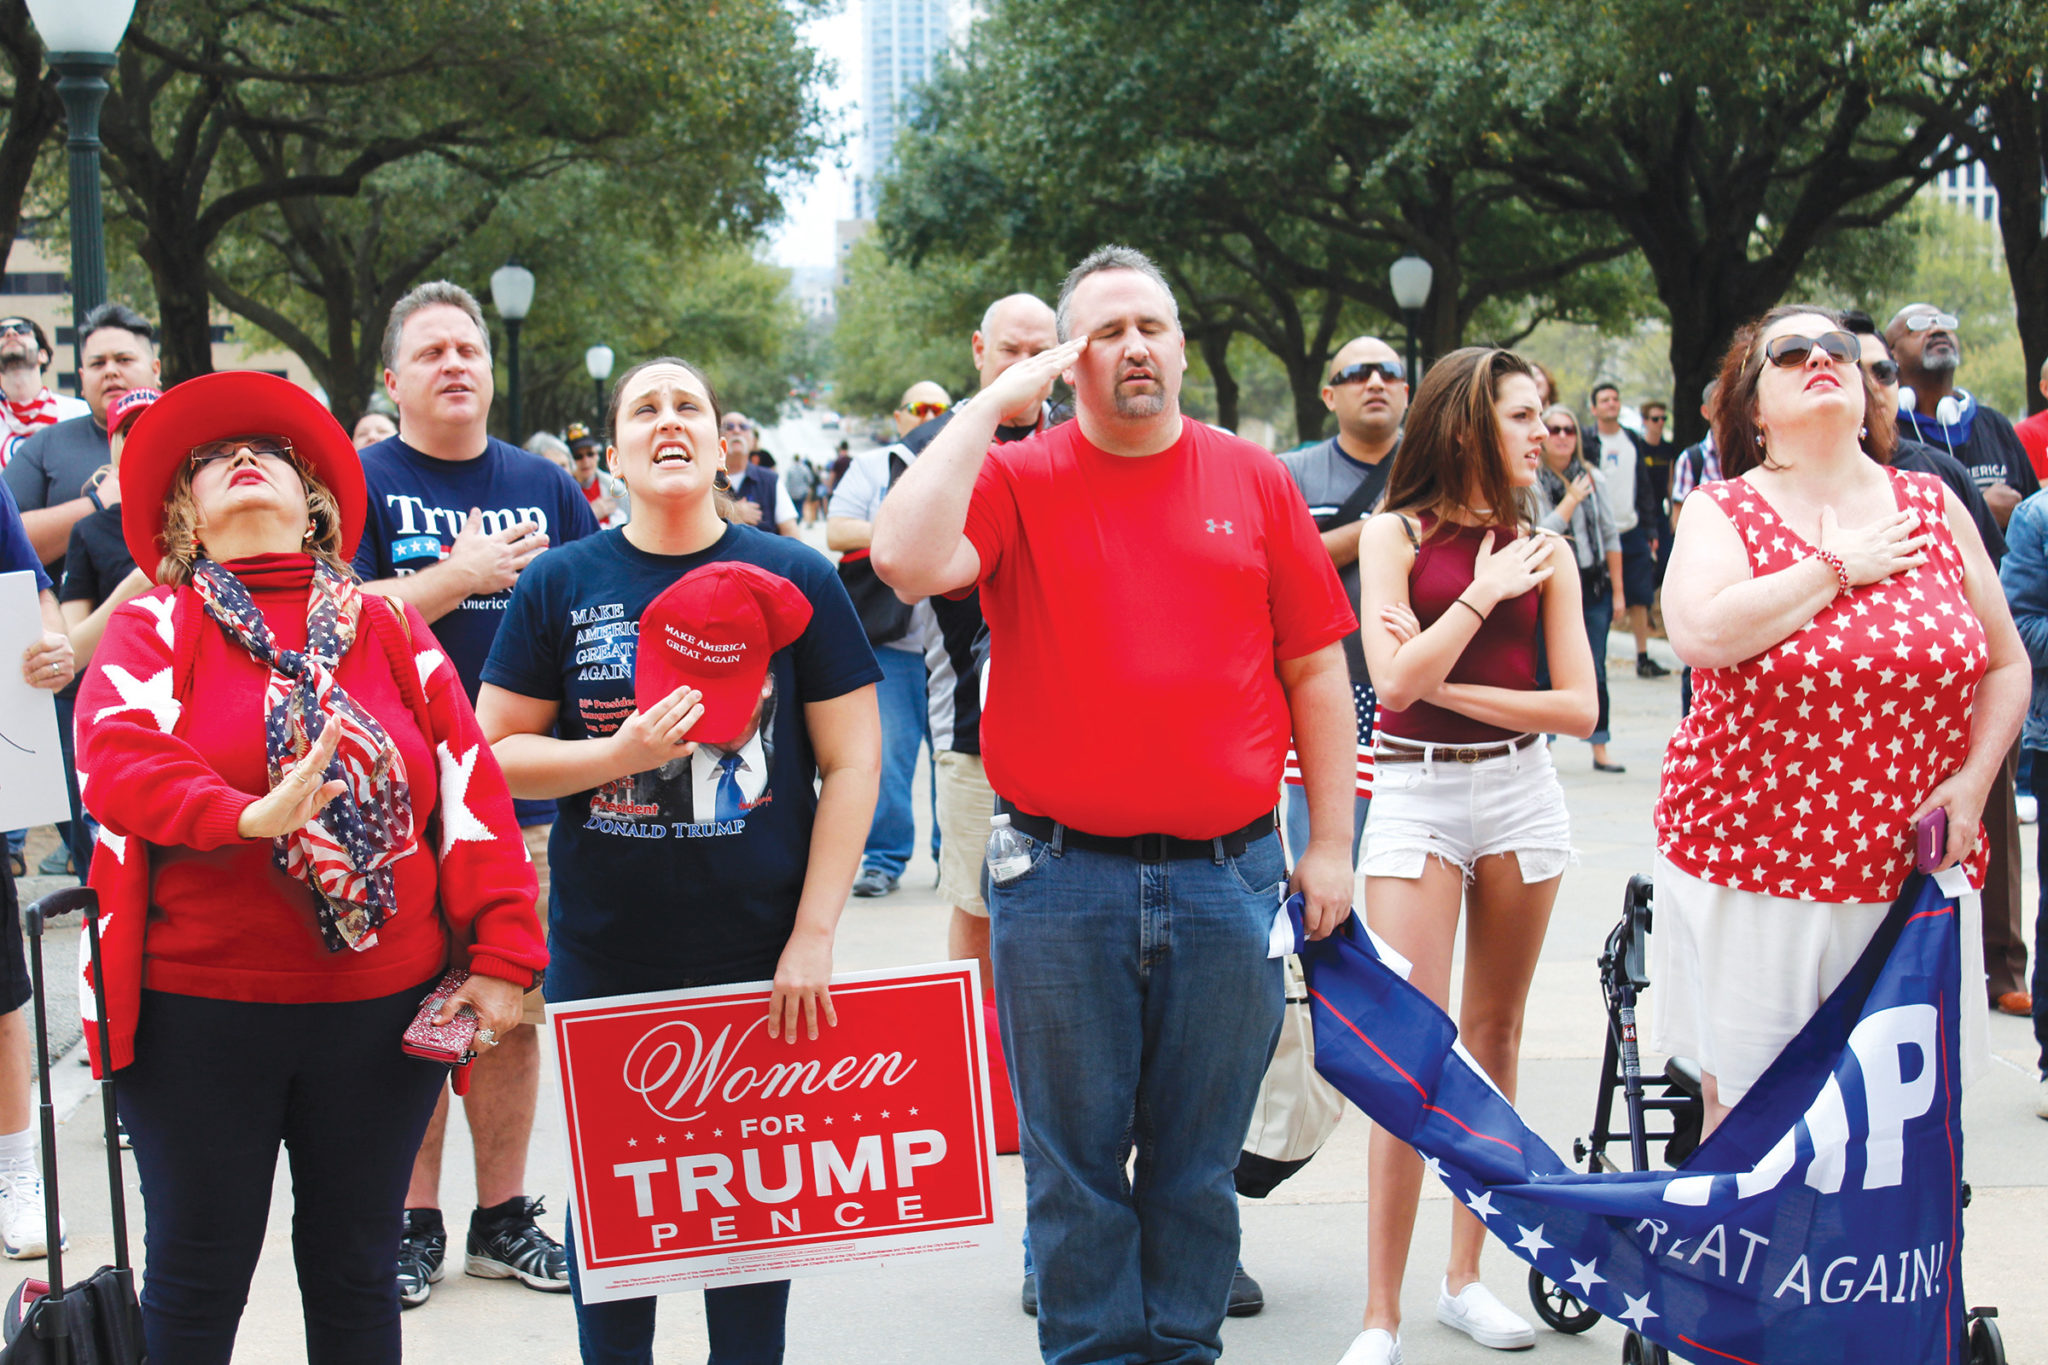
(1834, 561)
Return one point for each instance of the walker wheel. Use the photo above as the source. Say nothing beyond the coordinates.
(1558, 1306)
(1987, 1347)
(1637, 1349)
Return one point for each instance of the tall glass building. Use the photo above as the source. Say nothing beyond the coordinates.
(902, 42)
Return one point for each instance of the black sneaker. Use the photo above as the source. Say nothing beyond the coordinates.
(422, 1256)
(1031, 1293)
(506, 1244)
(1246, 1298)
(1647, 667)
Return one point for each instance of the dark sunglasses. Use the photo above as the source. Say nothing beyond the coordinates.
(1653, 417)
(1560, 431)
(263, 447)
(1790, 352)
(15, 327)
(1883, 371)
(1393, 371)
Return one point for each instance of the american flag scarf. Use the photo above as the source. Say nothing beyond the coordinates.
(344, 854)
(23, 419)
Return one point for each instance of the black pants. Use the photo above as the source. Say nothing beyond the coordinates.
(2040, 981)
(215, 1087)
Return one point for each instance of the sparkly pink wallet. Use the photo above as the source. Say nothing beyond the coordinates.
(449, 1043)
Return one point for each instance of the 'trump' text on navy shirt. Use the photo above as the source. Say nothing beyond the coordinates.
(696, 866)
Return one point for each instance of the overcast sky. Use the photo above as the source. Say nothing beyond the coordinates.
(806, 237)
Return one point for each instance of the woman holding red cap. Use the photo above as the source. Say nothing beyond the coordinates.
(282, 869)
(669, 777)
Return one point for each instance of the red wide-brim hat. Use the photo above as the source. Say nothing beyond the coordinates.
(215, 407)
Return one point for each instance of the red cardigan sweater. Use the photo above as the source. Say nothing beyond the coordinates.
(192, 908)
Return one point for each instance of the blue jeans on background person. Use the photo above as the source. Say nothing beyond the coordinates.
(906, 726)
(2039, 984)
(1138, 1008)
(746, 1322)
(1599, 611)
(1297, 821)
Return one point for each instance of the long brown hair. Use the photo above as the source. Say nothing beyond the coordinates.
(179, 539)
(1450, 445)
(1737, 436)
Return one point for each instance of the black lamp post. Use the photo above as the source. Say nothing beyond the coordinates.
(1410, 277)
(512, 292)
(81, 36)
(597, 363)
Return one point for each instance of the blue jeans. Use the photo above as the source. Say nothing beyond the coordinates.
(1297, 821)
(1138, 1009)
(746, 1321)
(2039, 984)
(906, 727)
(1599, 621)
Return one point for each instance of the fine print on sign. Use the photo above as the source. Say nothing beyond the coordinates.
(702, 1152)
(31, 761)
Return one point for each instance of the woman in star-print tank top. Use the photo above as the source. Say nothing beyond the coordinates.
(1854, 668)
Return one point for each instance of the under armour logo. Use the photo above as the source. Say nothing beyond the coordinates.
(1222, 526)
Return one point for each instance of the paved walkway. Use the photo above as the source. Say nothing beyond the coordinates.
(1305, 1243)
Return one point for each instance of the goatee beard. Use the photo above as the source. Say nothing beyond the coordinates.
(17, 361)
(1140, 404)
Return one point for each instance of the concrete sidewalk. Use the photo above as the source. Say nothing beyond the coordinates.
(1305, 1244)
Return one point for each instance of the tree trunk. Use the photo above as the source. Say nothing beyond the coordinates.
(1305, 378)
(177, 268)
(32, 115)
(2018, 120)
(1216, 355)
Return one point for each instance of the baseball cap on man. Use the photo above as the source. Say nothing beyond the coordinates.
(128, 406)
(715, 629)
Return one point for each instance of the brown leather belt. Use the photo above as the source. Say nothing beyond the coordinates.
(1454, 753)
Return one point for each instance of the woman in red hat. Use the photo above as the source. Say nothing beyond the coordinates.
(694, 843)
(299, 818)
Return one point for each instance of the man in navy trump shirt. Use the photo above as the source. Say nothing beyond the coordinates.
(455, 514)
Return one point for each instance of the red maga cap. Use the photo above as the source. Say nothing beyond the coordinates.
(715, 629)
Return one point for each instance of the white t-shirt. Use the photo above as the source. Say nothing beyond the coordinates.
(859, 495)
(1618, 462)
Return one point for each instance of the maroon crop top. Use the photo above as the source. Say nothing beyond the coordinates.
(1501, 654)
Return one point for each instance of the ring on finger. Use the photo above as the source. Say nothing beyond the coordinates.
(488, 1037)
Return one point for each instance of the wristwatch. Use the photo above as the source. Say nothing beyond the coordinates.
(92, 495)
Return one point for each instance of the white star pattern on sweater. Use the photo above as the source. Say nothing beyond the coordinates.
(427, 660)
(458, 823)
(160, 608)
(1877, 689)
(151, 694)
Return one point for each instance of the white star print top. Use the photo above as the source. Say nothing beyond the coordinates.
(1797, 772)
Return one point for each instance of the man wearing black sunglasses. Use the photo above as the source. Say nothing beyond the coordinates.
(1341, 479)
(1923, 341)
(29, 404)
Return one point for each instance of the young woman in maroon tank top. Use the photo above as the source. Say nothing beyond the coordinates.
(1854, 667)
(1466, 807)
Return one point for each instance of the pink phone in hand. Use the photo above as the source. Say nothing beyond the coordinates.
(1930, 840)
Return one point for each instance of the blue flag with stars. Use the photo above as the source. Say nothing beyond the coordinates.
(1820, 1221)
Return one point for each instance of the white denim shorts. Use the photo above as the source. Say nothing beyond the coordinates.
(1462, 812)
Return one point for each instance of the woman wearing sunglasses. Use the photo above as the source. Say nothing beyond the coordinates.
(1572, 500)
(271, 754)
(1854, 669)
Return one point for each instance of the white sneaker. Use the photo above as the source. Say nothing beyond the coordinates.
(2030, 809)
(2041, 1099)
(24, 1228)
(1479, 1315)
(1374, 1346)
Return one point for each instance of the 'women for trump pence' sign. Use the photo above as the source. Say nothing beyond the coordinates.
(703, 1152)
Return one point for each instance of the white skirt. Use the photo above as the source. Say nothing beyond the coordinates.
(1734, 975)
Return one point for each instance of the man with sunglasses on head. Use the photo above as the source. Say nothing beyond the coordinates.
(1341, 479)
(2005, 947)
(1923, 341)
(904, 637)
(758, 497)
(1638, 500)
(29, 405)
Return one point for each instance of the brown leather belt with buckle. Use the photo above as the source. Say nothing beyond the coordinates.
(1455, 753)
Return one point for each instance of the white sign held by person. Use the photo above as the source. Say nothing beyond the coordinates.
(31, 759)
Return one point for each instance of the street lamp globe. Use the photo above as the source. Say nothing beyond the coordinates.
(1410, 277)
(597, 362)
(512, 291)
(68, 26)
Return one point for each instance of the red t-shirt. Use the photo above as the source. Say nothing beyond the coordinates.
(2034, 436)
(1136, 609)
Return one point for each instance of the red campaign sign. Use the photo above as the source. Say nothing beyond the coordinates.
(705, 1153)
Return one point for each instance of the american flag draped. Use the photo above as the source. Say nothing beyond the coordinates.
(345, 852)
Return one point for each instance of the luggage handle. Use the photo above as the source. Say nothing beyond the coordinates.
(57, 1323)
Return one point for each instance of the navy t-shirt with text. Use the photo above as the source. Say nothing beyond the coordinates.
(695, 866)
(417, 507)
